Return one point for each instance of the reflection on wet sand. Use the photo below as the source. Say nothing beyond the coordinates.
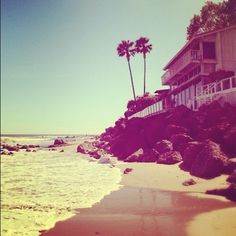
(137, 211)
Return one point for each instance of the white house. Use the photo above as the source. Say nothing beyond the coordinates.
(203, 70)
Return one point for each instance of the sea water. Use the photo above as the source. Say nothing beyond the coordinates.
(41, 188)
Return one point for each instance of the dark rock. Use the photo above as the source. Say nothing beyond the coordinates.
(189, 182)
(62, 150)
(163, 146)
(59, 142)
(210, 161)
(169, 158)
(230, 166)
(229, 141)
(174, 129)
(95, 153)
(10, 153)
(180, 141)
(34, 151)
(229, 193)
(150, 155)
(135, 157)
(232, 177)
(24, 146)
(28, 150)
(127, 170)
(10, 148)
(190, 154)
(4, 153)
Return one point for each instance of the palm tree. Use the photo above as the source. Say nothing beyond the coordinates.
(142, 46)
(125, 48)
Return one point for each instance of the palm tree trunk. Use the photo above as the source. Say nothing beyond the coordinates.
(132, 82)
(144, 79)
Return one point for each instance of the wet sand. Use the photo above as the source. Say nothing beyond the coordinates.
(148, 211)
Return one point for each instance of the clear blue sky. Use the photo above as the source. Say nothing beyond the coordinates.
(60, 70)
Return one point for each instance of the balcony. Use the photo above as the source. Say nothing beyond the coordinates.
(187, 59)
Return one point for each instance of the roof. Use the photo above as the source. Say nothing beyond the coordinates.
(196, 37)
(161, 91)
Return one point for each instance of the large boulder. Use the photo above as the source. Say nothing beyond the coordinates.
(229, 193)
(163, 146)
(190, 154)
(232, 177)
(210, 161)
(169, 158)
(59, 142)
(136, 156)
(229, 141)
(174, 129)
(180, 141)
(86, 147)
(150, 155)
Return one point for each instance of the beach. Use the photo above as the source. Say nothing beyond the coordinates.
(68, 193)
(153, 201)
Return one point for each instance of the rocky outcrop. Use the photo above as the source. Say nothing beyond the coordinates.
(190, 154)
(136, 156)
(169, 158)
(209, 161)
(180, 141)
(163, 146)
(232, 177)
(229, 193)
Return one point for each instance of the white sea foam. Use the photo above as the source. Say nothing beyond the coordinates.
(40, 188)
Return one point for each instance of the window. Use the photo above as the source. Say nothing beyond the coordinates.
(209, 50)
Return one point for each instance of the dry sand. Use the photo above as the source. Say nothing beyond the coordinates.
(152, 201)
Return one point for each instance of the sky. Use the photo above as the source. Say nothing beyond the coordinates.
(60, 72)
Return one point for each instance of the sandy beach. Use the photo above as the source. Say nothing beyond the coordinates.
(153, 201)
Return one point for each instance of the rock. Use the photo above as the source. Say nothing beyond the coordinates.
(232, 177)
(95, 154)
(59, 142)
(34, 151)
(135, 157)
(62, 150)
(10, 153)
(230, 166)
(229, 193)
(85, 147)
(28, 150)
(105, 160)
(229, 141)
(190, 154)
(163, 146)
(149, 155)
(180, 141)
(24, 146)
(4, 153)
(174, 129)
(10, 148)
(169, 158)
(189, 182)
(210, 161)
(127, 170)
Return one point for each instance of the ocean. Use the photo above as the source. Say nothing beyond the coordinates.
(41, 188)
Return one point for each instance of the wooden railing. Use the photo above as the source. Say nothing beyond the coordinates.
(224, 90)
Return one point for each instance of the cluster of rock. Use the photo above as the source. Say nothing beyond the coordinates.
(7, 149)
(203, 141)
